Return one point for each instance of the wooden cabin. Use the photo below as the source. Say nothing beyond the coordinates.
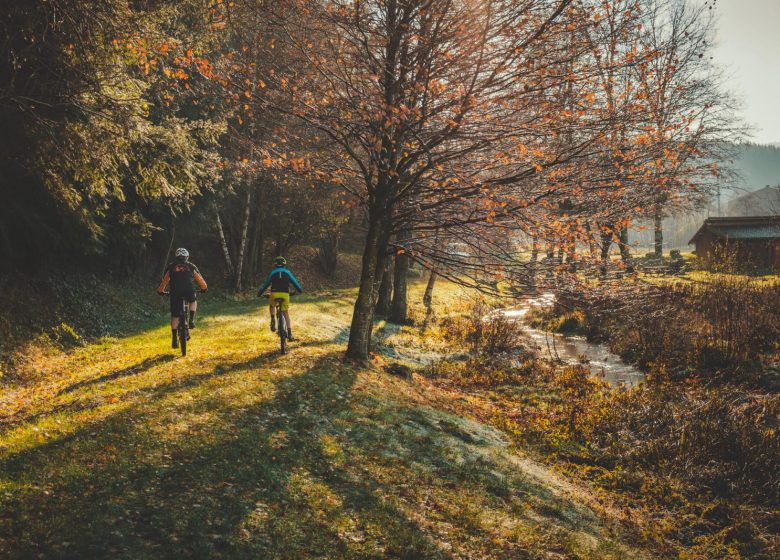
(754, 240)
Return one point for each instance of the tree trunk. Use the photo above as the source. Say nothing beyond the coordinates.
(591, 240)
(571, 257)
(363, 314)
(606, 243)
(255, 261)
(399, 307)
(328, 254)
(658, 243)
(385, 297)
(242, 245)
(533, 265)
(170, 246)
(428, 296)
(625, 250)
(223, 242)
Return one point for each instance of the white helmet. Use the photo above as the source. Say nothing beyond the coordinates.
(182, 252)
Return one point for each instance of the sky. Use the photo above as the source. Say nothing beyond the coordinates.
(748, 47)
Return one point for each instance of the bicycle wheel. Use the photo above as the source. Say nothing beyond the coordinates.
(183, 331)
(183, 340)
(282, 326)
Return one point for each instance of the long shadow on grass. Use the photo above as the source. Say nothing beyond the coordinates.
(114, 490)
(135, 369)
(312, 471)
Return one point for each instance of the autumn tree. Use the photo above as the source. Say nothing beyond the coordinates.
(482, 121)
(691, 126)
(446, 115)
(408, 90)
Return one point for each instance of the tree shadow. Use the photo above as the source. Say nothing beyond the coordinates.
(310, 470)
(136, 497)
(135, 369)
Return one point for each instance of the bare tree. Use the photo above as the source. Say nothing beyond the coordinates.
(487, 121)
(690, 124)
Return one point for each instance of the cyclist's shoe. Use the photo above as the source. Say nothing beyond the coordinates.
(289, 335)
(273, 325)
(192, 323)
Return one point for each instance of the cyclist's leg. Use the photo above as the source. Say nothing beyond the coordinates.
(272, 311)
(286, 313)
(175, 311)
(193, 299)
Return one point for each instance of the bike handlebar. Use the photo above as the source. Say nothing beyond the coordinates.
(167, 292)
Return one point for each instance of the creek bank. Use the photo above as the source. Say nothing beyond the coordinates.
(573, 349)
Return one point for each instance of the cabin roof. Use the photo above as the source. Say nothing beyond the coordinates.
(741, 227)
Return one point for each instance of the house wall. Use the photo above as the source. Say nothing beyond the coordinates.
(757, 252)
(760, 253)
(705, 247)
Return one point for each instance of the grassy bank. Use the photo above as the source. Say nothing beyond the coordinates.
(237, 452)
(692, 456)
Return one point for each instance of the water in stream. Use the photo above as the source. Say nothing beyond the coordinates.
(575, 349)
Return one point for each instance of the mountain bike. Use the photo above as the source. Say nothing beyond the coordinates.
(183, 331)
(281, 325)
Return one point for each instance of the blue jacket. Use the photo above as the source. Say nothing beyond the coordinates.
(280, 279)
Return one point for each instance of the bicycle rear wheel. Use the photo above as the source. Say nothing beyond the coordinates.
(183, 339)
(183, 330)
(282, 327)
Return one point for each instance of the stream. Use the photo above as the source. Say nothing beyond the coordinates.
(571, 349)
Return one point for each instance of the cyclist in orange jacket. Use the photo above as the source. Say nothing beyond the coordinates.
(183, 276)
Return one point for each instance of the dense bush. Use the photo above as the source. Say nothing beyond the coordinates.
(567, 322)
(722, 440)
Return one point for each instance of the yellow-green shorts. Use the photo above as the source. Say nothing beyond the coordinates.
(284, 296)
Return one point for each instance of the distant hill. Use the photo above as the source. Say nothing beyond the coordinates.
(755, 193)
(758, 166)
(763, 202)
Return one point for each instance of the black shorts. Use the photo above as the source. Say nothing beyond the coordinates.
(176, 301)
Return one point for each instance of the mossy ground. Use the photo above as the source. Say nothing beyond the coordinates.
(121, 449)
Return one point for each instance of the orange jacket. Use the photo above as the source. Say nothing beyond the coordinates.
(183, 277)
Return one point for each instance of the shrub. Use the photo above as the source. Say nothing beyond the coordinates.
(723, 440)
(705, 462)
(480, 372)
(483, 330)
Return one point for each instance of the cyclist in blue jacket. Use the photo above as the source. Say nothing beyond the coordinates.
(280, 280)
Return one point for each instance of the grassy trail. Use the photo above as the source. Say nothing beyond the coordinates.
(128, 451)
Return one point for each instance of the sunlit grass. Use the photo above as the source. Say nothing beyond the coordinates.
(124, 449)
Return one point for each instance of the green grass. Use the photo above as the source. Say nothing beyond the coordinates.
(121, 449)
